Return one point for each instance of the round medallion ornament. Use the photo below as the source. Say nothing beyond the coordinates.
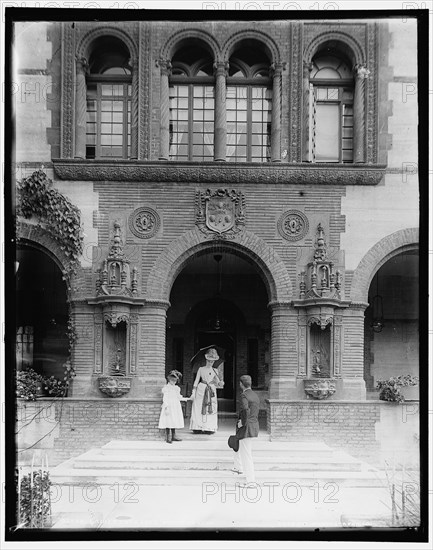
(144, 222)
(293, 225)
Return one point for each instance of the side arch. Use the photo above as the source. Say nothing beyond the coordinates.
(39, 238)
(194, 243)
(342, 41)
(167, 51)
(83, 48)
(390, 246)
(270, 45)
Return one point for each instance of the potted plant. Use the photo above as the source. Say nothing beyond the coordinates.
(29, 384)
(390, 390)
(55, 387)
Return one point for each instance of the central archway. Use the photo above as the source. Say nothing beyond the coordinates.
(247, 246)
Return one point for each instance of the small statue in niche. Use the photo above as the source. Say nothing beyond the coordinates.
(316, 361)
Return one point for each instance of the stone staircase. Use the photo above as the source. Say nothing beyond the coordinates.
(199, 457)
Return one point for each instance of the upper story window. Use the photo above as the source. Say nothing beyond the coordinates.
(192, 105)
(331, 110)
(108, 123)
(249, 106)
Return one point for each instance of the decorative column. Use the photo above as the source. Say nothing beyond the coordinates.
(276, 71)
(220, 129)
(81, 67)
(283, 351)
(151, 368)
(307, 68)
(165, 110)
(134, 110)
(361, 73)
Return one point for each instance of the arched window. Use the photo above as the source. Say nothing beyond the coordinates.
(192, 104)
(249, 105)
(331, 109)
(108, 123)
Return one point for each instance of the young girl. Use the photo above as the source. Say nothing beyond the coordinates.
(171, 413)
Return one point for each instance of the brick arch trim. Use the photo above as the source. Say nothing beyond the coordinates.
(194, 243)
(38, 237)
(167, 51)
(356, 50)
(260, 36)
(390, 246)
(83, 48)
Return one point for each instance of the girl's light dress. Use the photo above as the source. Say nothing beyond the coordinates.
(171, 398)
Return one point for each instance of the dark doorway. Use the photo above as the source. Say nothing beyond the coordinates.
(41, 313)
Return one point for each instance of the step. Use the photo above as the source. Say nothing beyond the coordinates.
(182, 457)
(260, 444)
(69, 476)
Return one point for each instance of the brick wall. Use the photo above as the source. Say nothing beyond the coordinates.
(86, 424)
(349, 425)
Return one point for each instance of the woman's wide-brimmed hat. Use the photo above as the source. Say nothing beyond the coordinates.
(216, 355)
(212, 355)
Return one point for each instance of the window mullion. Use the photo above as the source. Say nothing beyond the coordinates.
(249, 122)
(98, 120)
(190, 120)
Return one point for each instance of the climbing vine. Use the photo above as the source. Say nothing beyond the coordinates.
(61, 219)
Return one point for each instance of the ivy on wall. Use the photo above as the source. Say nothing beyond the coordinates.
(60, 217)
(62, 220)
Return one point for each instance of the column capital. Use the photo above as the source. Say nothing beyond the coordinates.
(280, 306)
(165, 66)
(82, 65)
(307, 67)
(276, 69)
(360, 71)
(157, 304)
(133, 63)
(221, 68)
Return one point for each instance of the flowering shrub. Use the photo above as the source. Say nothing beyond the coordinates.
(55, 387)
(29, 384)
(390, 389)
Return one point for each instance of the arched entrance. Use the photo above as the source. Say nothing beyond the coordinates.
(391, 321)
(41, 312)
(220, 299)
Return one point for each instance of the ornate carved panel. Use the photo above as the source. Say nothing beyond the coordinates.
(317, 174)
(293, 225)
(295, 137)
(144, 222)
(144, 91)
(68, 98)
(98, 344)
(220, 213)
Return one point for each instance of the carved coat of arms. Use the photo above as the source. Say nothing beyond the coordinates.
(220, 212)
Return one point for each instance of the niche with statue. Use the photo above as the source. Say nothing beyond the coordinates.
(116, 321)
(320, 322)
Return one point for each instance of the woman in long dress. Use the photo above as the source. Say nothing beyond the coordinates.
(204, 412)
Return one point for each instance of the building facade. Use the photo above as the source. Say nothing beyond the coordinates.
(251, 185)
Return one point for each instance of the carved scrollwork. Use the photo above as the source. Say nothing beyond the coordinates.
(114, 318)
(147, 171)
(319, 389)
(114, 386)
